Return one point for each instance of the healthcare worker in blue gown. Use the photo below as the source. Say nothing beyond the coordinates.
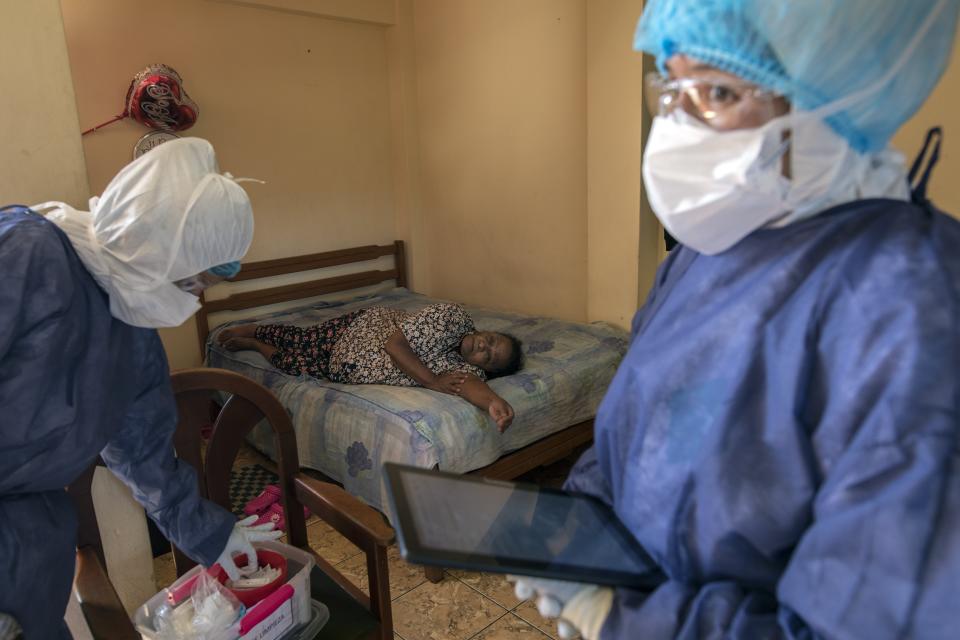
(83, 372)
(783, 435)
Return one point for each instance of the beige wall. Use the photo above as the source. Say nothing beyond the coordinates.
(408, 203)
(942, 108)
(39, 132)
(296, 99)
(501, 109)
(622, 242)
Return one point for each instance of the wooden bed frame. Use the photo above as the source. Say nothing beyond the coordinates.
(540, 453)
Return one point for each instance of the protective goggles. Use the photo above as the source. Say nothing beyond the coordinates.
(197, 284)
(720, 103)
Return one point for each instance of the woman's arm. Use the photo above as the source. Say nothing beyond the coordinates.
(478, 393)
(468, 386)
(404, 357)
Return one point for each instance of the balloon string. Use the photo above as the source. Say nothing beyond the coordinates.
(103, 124)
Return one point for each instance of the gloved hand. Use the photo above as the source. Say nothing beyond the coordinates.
(580, 607)
(240, 540)
(9, 628)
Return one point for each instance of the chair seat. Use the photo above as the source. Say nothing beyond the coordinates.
(349, 620)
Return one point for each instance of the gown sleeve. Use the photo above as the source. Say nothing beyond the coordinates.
(141, 454)
(586, 476)
(452, 361)
(879, 557)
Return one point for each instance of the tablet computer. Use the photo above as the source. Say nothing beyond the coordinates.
(473, 523)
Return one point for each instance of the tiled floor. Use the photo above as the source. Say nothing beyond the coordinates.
(464, 606)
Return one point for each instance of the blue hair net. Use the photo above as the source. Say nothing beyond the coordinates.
(816, 52)
(227, 270)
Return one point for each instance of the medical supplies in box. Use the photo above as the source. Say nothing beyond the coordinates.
(282, 615)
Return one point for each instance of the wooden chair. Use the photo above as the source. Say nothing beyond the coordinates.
(353, 615)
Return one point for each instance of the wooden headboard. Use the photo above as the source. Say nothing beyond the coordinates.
(308, 288)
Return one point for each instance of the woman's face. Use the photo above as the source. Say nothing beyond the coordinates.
(487, 350)
(719, 99)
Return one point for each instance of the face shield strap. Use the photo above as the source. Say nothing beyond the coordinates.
(229, 176)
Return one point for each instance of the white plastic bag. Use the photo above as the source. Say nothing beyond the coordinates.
(209, 613)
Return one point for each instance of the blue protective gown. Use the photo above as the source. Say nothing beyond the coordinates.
(76, 382)
(782, 435)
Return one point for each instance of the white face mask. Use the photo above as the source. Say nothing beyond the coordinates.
(710, 189)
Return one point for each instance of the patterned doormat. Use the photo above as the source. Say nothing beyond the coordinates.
(246, 483)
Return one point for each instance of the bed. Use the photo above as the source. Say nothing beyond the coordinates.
(346, 432)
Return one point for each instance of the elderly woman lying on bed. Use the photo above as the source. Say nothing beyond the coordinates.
(437, 348)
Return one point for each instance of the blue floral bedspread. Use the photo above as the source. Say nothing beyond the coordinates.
(348, 431)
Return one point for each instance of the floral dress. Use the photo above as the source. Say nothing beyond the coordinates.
(350, 348)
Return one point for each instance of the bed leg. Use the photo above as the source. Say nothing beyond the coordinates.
(433, 574)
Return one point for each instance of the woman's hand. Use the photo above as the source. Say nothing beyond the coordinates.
(449, 382)
(501, 412)
(476, 392)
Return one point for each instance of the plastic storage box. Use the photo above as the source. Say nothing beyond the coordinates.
(274, 621)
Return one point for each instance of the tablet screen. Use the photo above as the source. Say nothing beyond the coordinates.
(473, 523)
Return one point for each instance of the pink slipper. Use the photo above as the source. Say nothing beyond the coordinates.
(276, 515)
(269, 496)
(273, 514)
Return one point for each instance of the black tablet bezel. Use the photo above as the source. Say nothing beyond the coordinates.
(413, 551)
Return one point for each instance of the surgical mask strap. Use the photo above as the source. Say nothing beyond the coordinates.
(918, 183)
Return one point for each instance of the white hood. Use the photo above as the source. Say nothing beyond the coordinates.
(168, 215)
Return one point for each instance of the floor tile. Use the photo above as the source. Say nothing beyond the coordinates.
(449, 610)
(403, 575)
(527, 611)
(492, 585)
(328, 544)
(509, 627)
(248, 456)
(164, 571)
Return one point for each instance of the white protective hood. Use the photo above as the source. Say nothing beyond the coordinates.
(168, 215)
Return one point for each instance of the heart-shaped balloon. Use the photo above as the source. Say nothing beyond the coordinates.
(156, 99)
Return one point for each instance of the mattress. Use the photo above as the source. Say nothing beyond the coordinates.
(348, 431)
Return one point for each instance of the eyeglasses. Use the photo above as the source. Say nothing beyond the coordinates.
(721, 104)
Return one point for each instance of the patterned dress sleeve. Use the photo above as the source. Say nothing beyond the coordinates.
(453, 361)
(436, 330)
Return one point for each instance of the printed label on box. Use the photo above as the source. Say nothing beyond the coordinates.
(274, 625)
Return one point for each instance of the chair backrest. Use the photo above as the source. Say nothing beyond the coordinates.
(240, 404)
(88, 531)
(243, 404)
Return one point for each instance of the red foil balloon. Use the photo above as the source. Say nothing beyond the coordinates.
(157, 100)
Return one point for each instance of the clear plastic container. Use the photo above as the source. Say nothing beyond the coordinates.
(318, 619)
(299, 565)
